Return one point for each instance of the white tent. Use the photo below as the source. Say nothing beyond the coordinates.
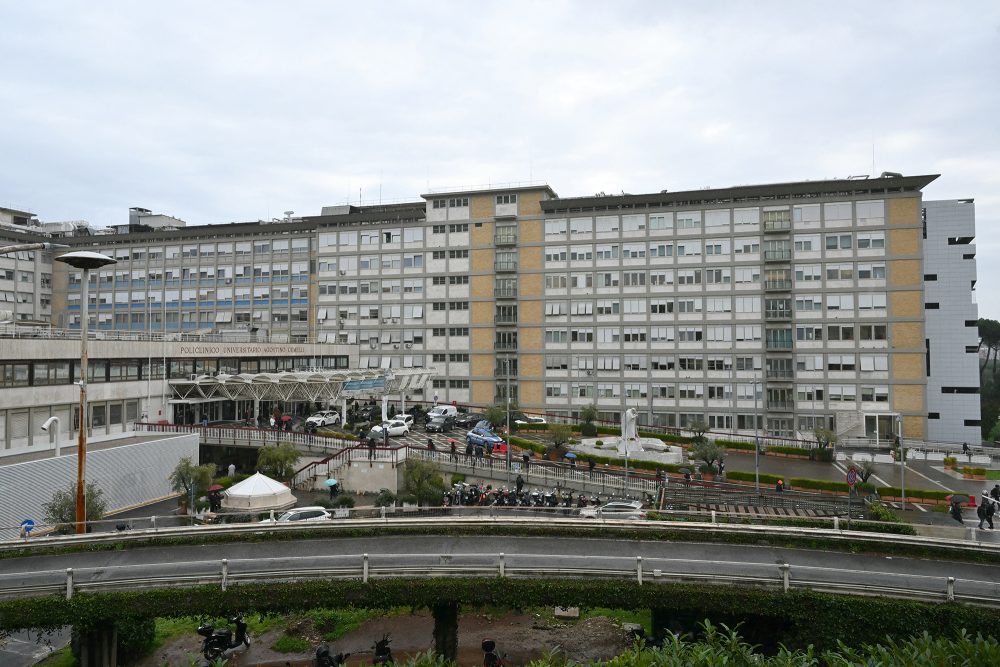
(257, 494)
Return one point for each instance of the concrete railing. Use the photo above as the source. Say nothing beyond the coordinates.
(642, 569)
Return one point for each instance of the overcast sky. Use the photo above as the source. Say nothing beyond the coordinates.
(235, 111)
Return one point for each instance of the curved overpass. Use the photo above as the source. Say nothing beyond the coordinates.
(647, 562)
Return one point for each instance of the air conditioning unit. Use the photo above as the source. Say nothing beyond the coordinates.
(395, 320)
(343, 272)
(373, 345)
(385, 320)
(396, 346)
(590, 372)
(409, 345)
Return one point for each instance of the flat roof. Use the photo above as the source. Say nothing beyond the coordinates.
(747, 193)
(490, 189)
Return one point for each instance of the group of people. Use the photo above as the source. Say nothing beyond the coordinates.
(988, 506)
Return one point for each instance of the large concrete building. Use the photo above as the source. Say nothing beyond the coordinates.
(839, 304)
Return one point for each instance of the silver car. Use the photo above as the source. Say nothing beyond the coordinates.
(616, 509)
(301, 514)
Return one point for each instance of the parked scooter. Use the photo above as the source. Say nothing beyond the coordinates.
(325, 659)
(383, 654)
(491, 658)
(218, 642)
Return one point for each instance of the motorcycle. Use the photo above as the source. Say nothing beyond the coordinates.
(383, 654)
(218, 642)
(491, 658)
(324, 659)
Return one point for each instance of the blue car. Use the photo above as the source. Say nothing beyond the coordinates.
(479, 437)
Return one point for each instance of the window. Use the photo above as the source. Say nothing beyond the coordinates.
(872, 332)
(689, 220)
(808, 273)
(840, 271)
(872, 272)
(840, 332)
(809, 303)
(661, 221)
(661, 249)
(746, 246)
(871, 302)
(458, 254)
(502, 199)
(555, 254)
(873, 240)
(581, 226)
(717, 218)
(840, 302)
(840, 362)
(608, 224)
(581, 253)
(873, 363)
(839, 242)
(809, 332)
(555, 227)
(633, 223)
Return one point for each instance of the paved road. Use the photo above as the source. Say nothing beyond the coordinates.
(26, 648)
(525, 554)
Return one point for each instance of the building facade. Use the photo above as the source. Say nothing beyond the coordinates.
(785, 307)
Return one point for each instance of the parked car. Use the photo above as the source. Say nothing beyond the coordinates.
(324, 418)
(469, 419)
(525, 420)
(396, 427)
(616, 509)
(449, 410)
(407, 419)
(301, 514)
(440, 424)
(481, 436)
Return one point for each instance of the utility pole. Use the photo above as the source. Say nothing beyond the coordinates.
(902, 460)
(756, 438)
(506, 365)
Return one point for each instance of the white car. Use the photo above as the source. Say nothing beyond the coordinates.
(529, 419)
(408, 419)
(301, 514)
(325, 418)
(616, 509)
(395, 427)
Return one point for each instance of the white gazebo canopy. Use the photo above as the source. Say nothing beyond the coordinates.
(258, 493)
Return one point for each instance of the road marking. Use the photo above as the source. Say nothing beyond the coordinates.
(932, 481)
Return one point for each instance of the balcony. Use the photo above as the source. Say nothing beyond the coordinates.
(505, 237)
(505, 319)
(779, 345)
(777, 226)
(777, 255)
(505, 266)
(783, 406)
(780, 374)
(501, 370)
(505, 292)
(777, 315)
(778, 285)
(505, 345)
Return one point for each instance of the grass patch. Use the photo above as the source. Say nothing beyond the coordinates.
(643, 617)
(335, 623)
(61, 658)
(993, 474)
(287, 644)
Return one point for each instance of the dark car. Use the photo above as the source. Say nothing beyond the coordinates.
(440, 424)
(469, 419)
(480, 437)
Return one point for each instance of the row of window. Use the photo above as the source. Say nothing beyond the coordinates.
(190, 275)
(834, 393)
(835, 214)
(226, 249)
(777, 368)
(716, 304)
(750, 333)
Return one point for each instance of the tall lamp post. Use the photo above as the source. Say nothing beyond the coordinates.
(85, 261)
(902, 461)
(756, 438)
(506, 366)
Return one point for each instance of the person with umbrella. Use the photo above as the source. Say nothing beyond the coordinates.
(986, 510)
(215, 497)
(334, 487)
(571, 457)
(956, 507)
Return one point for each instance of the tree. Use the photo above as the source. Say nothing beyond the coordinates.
(278, 461)
(865, 470)
(703, 449)
(187, 475)
(825, 437)
(588, 414)
(699, 428)
(496, 415)
(422, 479)
(61, 510)
(989, 335)
(557, 435)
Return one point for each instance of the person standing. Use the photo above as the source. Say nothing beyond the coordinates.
(956, 511)
(780, 486)
(454, 448)
(590, 468)
(232, 470)
(986, 510)
(520, 484)
(995, 493)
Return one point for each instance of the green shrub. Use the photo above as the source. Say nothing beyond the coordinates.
(741, 476)
(824, 455)
(385, 498)
(979, 471)
(342, 501)
(323, 501)
(407, 498)
(457, 478)
(950, 460)
(286, 644)
(229, 481)
(587, 429)
(599, 444)
(734, 444)
(880, 512)
(927, 494)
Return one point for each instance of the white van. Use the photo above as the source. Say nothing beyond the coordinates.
(442, 411)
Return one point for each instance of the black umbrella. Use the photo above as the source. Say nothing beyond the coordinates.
(958, 498)
(684, 470)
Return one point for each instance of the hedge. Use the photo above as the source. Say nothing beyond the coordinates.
(929, 494)
(893, 526)
(734, 444)
(794, 451)
(665, 437)
(741, 476)
(829, 485)
(796, 619)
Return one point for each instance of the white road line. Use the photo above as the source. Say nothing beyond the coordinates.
(932, 481)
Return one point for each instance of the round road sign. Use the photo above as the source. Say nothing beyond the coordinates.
(852, 477)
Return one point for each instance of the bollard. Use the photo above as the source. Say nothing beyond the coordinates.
(785, 567)
(638, 569)
(225, 572)
(713, 516)
(836, 523)
(364, 568)
(951, 589)
(69, 583)
(503, 569)
(152, 522)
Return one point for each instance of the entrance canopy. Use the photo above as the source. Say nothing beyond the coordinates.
(311, 385)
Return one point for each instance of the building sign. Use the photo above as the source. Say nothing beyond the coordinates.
(241, 349)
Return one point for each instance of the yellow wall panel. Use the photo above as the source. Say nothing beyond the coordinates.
(482, 206)
(481, 261)
(482, 392)
(481, 234)
(482, 365)
(906, 304)
(905, 273)
(529, 338)
(529, 312)
(481, 287)
(529, 203)
(530, 231)
(530, 393)
(914, 427)
(903, 211)
(481, 339)
(530, 365)
(530, 259)
(531, 285)
(481, 312)
(906, 334)
(906, 366)
(903, 242)
(908, 398)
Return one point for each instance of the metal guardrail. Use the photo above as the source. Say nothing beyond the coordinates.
(366, 566)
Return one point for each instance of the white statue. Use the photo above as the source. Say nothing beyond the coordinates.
(629, 420)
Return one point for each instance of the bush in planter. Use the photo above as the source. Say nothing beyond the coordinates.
(599, 444)
(457, 478)
(588, 430)
(407, 499)
(385, 498)
(342, 501)
(823, 455)
(950, 461)
(967, 471)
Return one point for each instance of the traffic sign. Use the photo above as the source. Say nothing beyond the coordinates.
(852, 477)
(26, 527)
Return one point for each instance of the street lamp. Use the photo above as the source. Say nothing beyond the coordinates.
(902, 461)
(756, 437)
(506, 366)
(85, 261)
